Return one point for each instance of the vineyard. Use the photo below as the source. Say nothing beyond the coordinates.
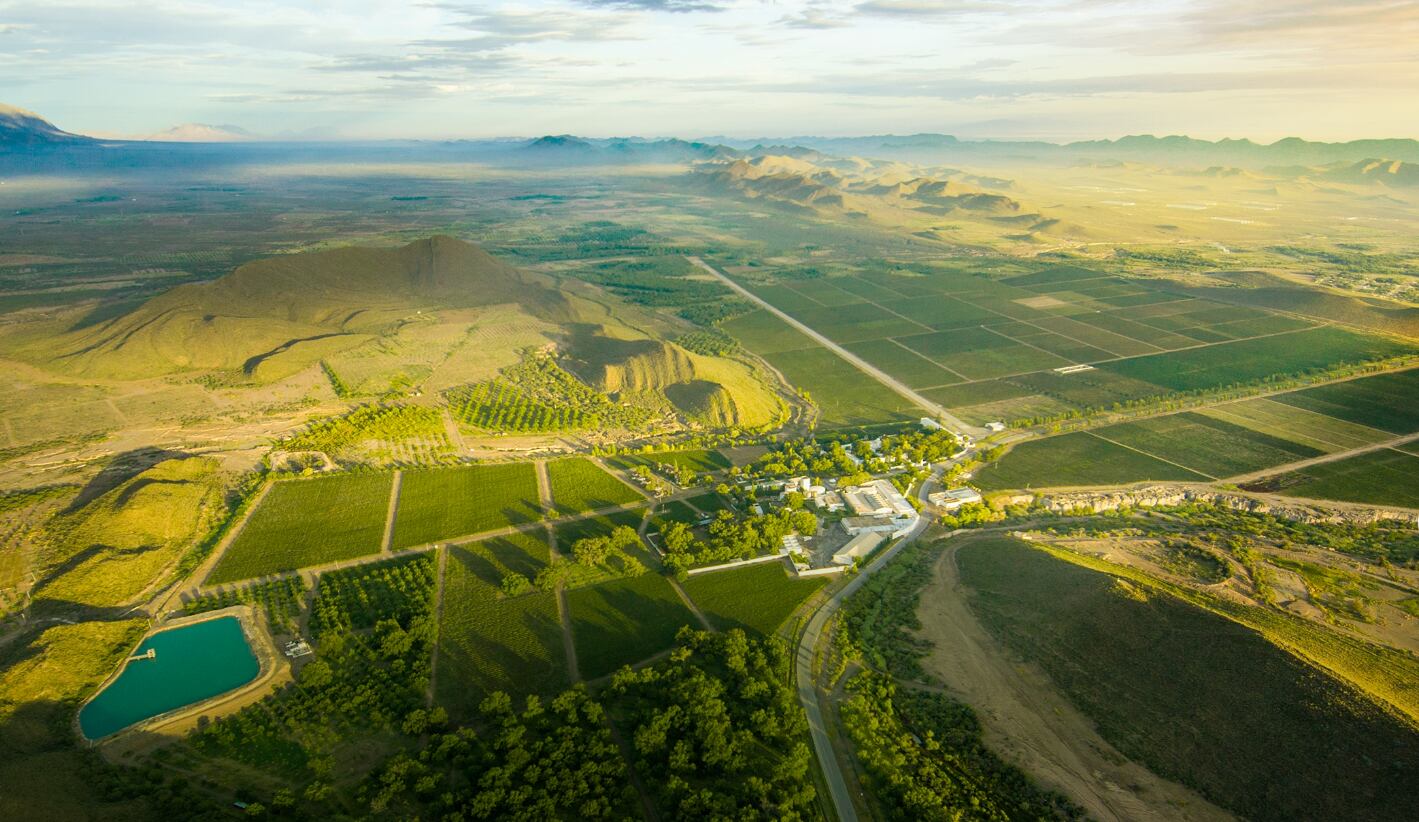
(281, 599)
(382, 434)
(757, 599)
(308, 522)
(442, 503)
(624, 621)
(580, 485)
(492, 642)
(538, 396)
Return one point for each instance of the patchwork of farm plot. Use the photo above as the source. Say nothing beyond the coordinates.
(987, 348)
(1241, 438)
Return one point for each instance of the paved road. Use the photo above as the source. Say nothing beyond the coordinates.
(808, 648)
(862, 365)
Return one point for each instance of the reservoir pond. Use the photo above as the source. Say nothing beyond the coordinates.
(172, 669)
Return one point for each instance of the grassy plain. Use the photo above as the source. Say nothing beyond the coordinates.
(442, 503)
(758, 598)
(579, 485)
(695, 459)
(488, 642)
(308, 522)
(1193, 695)
(624, 621)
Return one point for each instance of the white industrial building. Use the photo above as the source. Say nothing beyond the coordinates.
(857, 548)
(878, 498)
(870, 525)
(954, 498)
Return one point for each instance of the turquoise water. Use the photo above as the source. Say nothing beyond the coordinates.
(193, 662)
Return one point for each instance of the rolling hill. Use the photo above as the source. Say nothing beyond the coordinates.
(438, 310)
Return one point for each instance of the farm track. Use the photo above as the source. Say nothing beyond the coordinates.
(896, 386)
(544, 486)
(313, 571)
(1322, 459)
(690, 603)
(393, 512)
(438, 622)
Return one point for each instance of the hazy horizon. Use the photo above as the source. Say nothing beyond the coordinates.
(1056, 71)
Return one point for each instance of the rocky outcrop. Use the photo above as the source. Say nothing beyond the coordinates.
(1165, 496)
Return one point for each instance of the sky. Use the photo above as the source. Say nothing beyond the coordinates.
(1009, 69)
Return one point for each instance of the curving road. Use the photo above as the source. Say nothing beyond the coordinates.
(897, 386)
(807, 650)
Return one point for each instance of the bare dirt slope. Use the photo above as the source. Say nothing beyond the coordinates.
(1029, 723)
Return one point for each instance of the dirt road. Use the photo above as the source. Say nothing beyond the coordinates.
(857, 362)
(1029, 723)
(1323, 458)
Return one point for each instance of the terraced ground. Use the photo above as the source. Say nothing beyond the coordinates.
(985, 347)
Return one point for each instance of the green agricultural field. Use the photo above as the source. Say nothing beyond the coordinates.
(443, 503)
(906, 365)
(757, 598)
(308, 522)
(847, 397)
(1383, 477)
(763, 333)
(1079, 458)
(1208, 446)
(699, 459)
(579, 485)
(677, 511)
(624, 621)
(576, 575)
(1291, 422)
(1389, 402)
(1194, 696)
(1216, 366)
(488, 642)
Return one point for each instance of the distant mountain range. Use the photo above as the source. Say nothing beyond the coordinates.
(1170, 150)
(25, 128)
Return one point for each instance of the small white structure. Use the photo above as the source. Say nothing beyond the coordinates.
(995, 427)
(802, 485)
(869, 525)
(297, 648)
(929, 424)
(830, 501)
(857, 548)
(954, 498)
(792, 544)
